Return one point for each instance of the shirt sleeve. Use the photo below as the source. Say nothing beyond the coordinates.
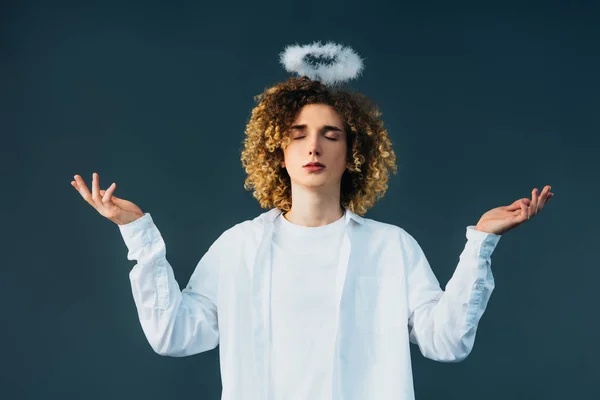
(444, 323)
(176, 322)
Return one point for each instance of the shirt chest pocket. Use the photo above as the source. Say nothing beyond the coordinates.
(379, 304)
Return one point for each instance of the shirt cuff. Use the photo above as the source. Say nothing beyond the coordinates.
(140, 232)
(488, 240)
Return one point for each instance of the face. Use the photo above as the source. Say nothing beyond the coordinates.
(316, 135)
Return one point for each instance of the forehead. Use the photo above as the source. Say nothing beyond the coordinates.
(319, 113)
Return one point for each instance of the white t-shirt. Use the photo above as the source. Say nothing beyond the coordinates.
(303, 309)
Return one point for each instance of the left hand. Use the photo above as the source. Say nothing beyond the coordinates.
(502, 219)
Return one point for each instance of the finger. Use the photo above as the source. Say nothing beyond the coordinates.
(534, 202)
(81, 186)
(543, 198)
(96, 189)
(550, 194)
(546, 190)
(106, 199)
(74, 184)
(83, 190)
(525, 208)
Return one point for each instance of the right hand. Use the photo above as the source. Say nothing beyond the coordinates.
(117, 210)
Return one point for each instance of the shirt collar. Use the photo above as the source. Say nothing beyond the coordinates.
(270, 216)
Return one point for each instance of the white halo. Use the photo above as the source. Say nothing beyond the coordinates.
(347, 64)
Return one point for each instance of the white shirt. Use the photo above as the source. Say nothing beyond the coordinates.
(303, 309)
(385, 296)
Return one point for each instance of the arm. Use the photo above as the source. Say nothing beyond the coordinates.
(176, 323)
(443, 323)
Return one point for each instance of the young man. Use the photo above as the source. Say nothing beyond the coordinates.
(310, 300)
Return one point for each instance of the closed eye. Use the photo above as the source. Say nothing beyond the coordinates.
(328, 138)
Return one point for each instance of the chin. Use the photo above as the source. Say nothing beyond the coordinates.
(312, 182)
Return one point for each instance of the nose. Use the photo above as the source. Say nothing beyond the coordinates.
(314, 146)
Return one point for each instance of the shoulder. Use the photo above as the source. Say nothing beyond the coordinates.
(386, 231)
(380, 227)
(249, 228)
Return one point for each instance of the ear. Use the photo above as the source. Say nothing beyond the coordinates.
(283, 164)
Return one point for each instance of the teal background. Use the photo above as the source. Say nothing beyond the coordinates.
(484, 101)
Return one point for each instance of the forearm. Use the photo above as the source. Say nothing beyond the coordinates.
(175, 323)
(444, 323)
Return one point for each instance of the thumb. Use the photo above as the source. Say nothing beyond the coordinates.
(113, 197)
(515, 205)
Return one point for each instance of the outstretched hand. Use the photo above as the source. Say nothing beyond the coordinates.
(502, 219)
(119, 211)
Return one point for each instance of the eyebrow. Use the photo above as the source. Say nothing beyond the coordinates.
(323, 128)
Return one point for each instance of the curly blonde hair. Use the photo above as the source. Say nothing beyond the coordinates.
(369, 146)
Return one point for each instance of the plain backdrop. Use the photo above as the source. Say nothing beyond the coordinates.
(484, 101)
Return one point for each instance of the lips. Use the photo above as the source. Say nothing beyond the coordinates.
(314, 167)
(314, 164)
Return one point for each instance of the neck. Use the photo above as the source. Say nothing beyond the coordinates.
(313, 208)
